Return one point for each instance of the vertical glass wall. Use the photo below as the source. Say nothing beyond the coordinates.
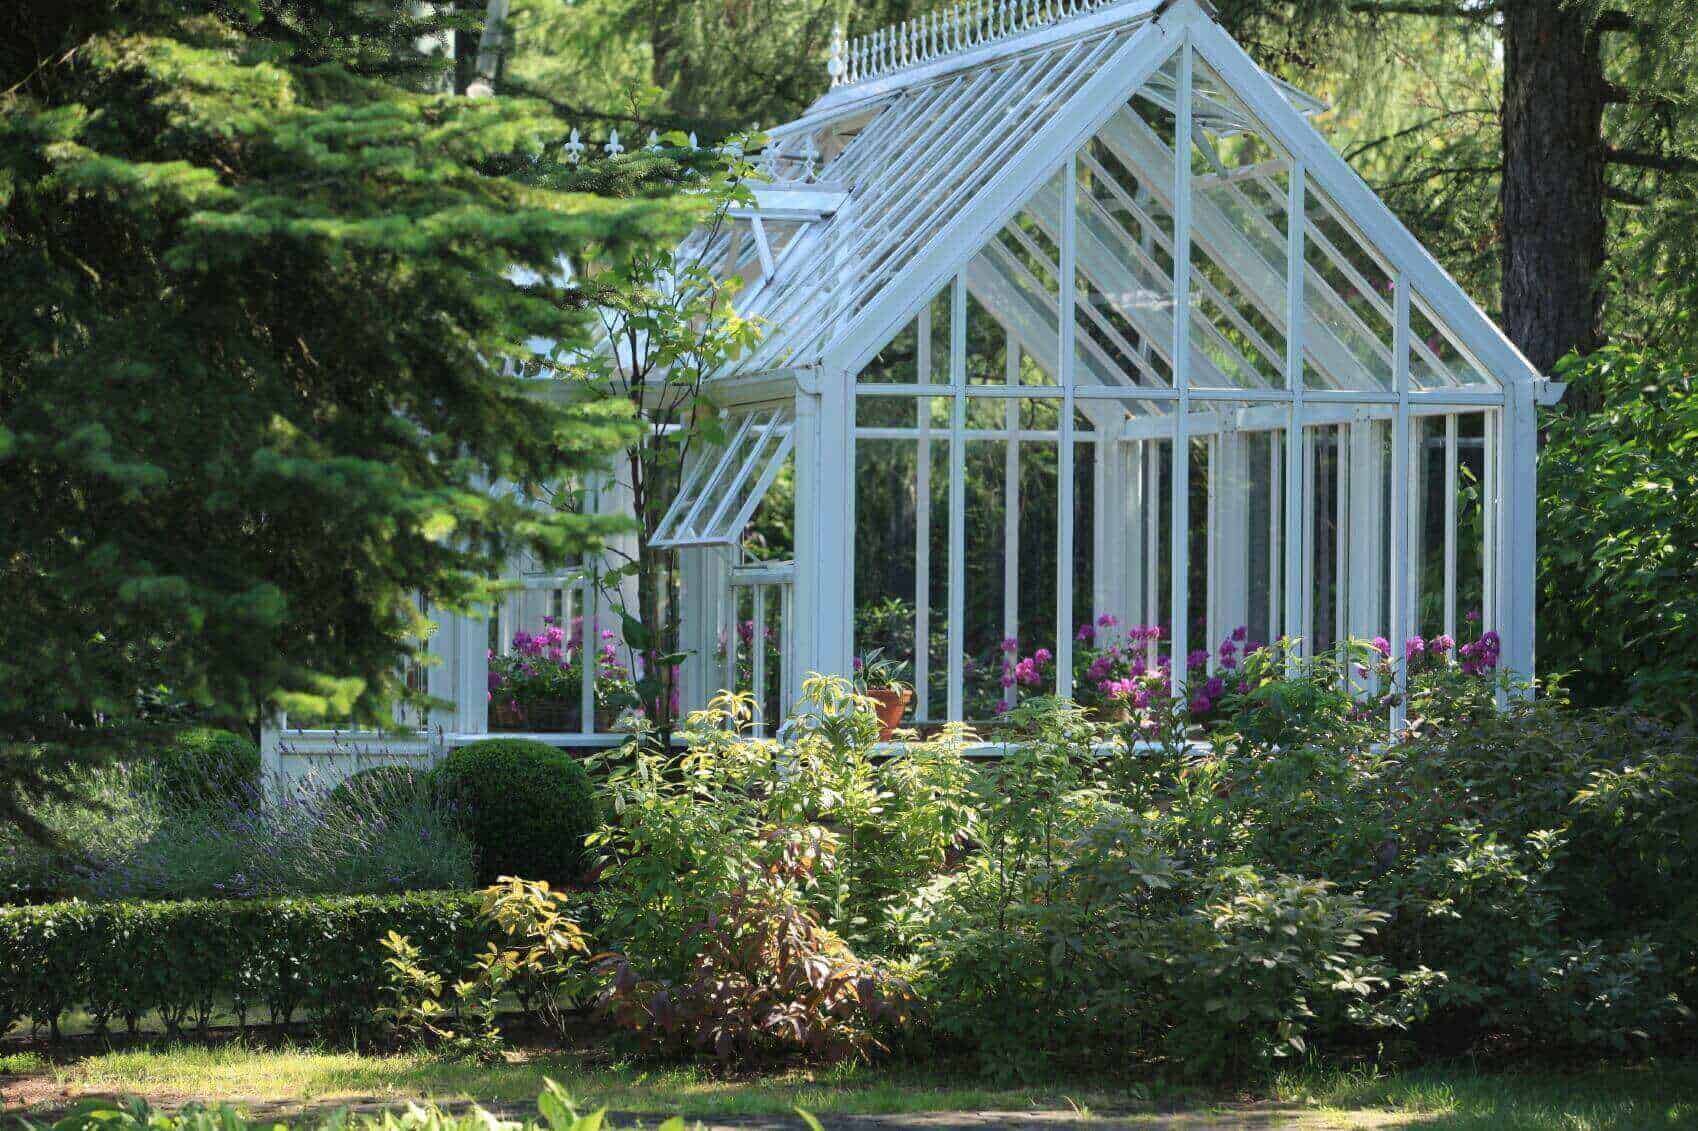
(1103, 449)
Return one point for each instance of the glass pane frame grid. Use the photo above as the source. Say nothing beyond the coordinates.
(719, 495)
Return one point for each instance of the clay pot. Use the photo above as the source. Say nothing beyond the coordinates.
(892, 705)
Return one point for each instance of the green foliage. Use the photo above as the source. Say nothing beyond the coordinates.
(528, 807)
(1531, 855)
(317, 960)
(1618, 517)
(381, 831)
(463, 1027)
(545, 948)
(767, 981)
(206, 764)
(258, 388)
(687, 833)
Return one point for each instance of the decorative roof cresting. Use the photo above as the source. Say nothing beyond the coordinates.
(968, 24)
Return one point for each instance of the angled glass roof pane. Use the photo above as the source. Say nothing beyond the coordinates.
(1436, 359)
(720, 495)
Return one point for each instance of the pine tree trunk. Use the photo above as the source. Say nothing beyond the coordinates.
(1553, 179)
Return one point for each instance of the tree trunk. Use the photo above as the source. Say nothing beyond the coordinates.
(1553, 179)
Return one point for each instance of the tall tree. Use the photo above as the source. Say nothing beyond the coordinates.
(261, 284)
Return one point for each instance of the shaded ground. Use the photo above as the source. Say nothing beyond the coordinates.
(291, 1082)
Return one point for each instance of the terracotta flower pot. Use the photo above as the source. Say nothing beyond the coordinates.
(892, 705)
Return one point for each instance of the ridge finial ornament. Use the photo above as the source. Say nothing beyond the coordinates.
(835, 66)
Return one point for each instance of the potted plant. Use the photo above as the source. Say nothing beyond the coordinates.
(881, 680)
(537, 686)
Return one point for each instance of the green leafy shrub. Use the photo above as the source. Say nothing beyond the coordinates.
(318, 960)
(204, 764)
(1091, 944)
(688, 832)
(1618, 518)
(767, 981)
(528, 807)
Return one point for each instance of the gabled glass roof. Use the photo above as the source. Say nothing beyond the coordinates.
(927, 151)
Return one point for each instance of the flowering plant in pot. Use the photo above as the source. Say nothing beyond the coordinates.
(537, 686)
(881, 679)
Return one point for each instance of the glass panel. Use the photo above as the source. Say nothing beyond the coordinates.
(1348, 294)
(987, 345)
(1328, 459)
(716, 503)
(770, 534)
(1238, 245)
(1436, 359)
(1123, 285)
(537, 663)
(887, 517)
(1122, 540)
(898, 362)
(983, 630)
(1237, 526)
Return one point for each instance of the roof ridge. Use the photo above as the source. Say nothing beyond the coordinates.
(966, 25)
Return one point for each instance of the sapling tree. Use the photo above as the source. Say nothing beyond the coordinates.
(667, 323)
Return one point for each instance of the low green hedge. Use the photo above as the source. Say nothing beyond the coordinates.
(316, 960)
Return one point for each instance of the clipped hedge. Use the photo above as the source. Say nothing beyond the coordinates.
(527, 805)
(315, 960)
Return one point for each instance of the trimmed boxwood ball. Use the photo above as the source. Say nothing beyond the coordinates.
(527, 805)
(206, 764)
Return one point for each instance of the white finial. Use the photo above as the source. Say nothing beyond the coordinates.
(693, 143)
(613, 147)
(653, 145)
(834, 66)
(810, 157)
(574, 147)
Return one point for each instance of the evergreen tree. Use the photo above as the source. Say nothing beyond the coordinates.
(254, 382)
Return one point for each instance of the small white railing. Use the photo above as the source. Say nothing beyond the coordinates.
(936, 34)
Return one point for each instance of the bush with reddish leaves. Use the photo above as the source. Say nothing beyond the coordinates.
(768, 981)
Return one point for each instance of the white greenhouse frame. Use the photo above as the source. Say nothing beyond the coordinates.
(991, 196)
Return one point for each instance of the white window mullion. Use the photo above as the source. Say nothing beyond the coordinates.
(1064, 537)
(923, 527)
(1403, 567)
(1299, 462)
(957, 491)
(1452, 483)
(1011, 507)
(1181, 599)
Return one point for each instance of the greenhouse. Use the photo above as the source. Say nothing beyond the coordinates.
(1080, 339)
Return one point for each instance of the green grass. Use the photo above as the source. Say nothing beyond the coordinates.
(1435, 1099)
(318, 1077)
(17, 1063)
(1462, 1099)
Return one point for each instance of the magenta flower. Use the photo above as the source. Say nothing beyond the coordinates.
(1441, 645)
(1107, 620)
(1200, 705)
(1086, 634)
(1043, 655)
(1413, 647)
(1010, 644)
(1382, 645)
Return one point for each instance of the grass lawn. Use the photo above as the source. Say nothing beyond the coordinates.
(291, 1079)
